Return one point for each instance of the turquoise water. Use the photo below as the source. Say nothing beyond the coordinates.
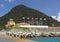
(48, 39)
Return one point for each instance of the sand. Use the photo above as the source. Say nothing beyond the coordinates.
(17, 38)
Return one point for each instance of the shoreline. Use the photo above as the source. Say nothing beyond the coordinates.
(20, 39)
(16, 38)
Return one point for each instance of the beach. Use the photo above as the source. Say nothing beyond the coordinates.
(20, 39)
(6, 39)
(14, 38)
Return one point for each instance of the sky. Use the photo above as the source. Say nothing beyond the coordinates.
(49, 7)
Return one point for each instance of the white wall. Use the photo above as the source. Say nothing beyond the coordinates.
(34, 26)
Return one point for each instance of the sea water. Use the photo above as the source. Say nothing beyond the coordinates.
(46, 39)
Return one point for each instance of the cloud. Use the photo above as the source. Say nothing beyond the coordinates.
(54, 17)
(9, 0)
(1, 5)
(57, 17)
(59, 14)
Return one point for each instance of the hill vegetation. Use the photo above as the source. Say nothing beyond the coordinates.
(23, 11)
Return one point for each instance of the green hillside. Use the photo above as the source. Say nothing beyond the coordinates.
(23, 11)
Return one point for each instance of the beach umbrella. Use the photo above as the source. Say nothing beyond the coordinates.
(44, 18)
(40, 19)
(32, 18)
(23, 17)
(28, 18)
